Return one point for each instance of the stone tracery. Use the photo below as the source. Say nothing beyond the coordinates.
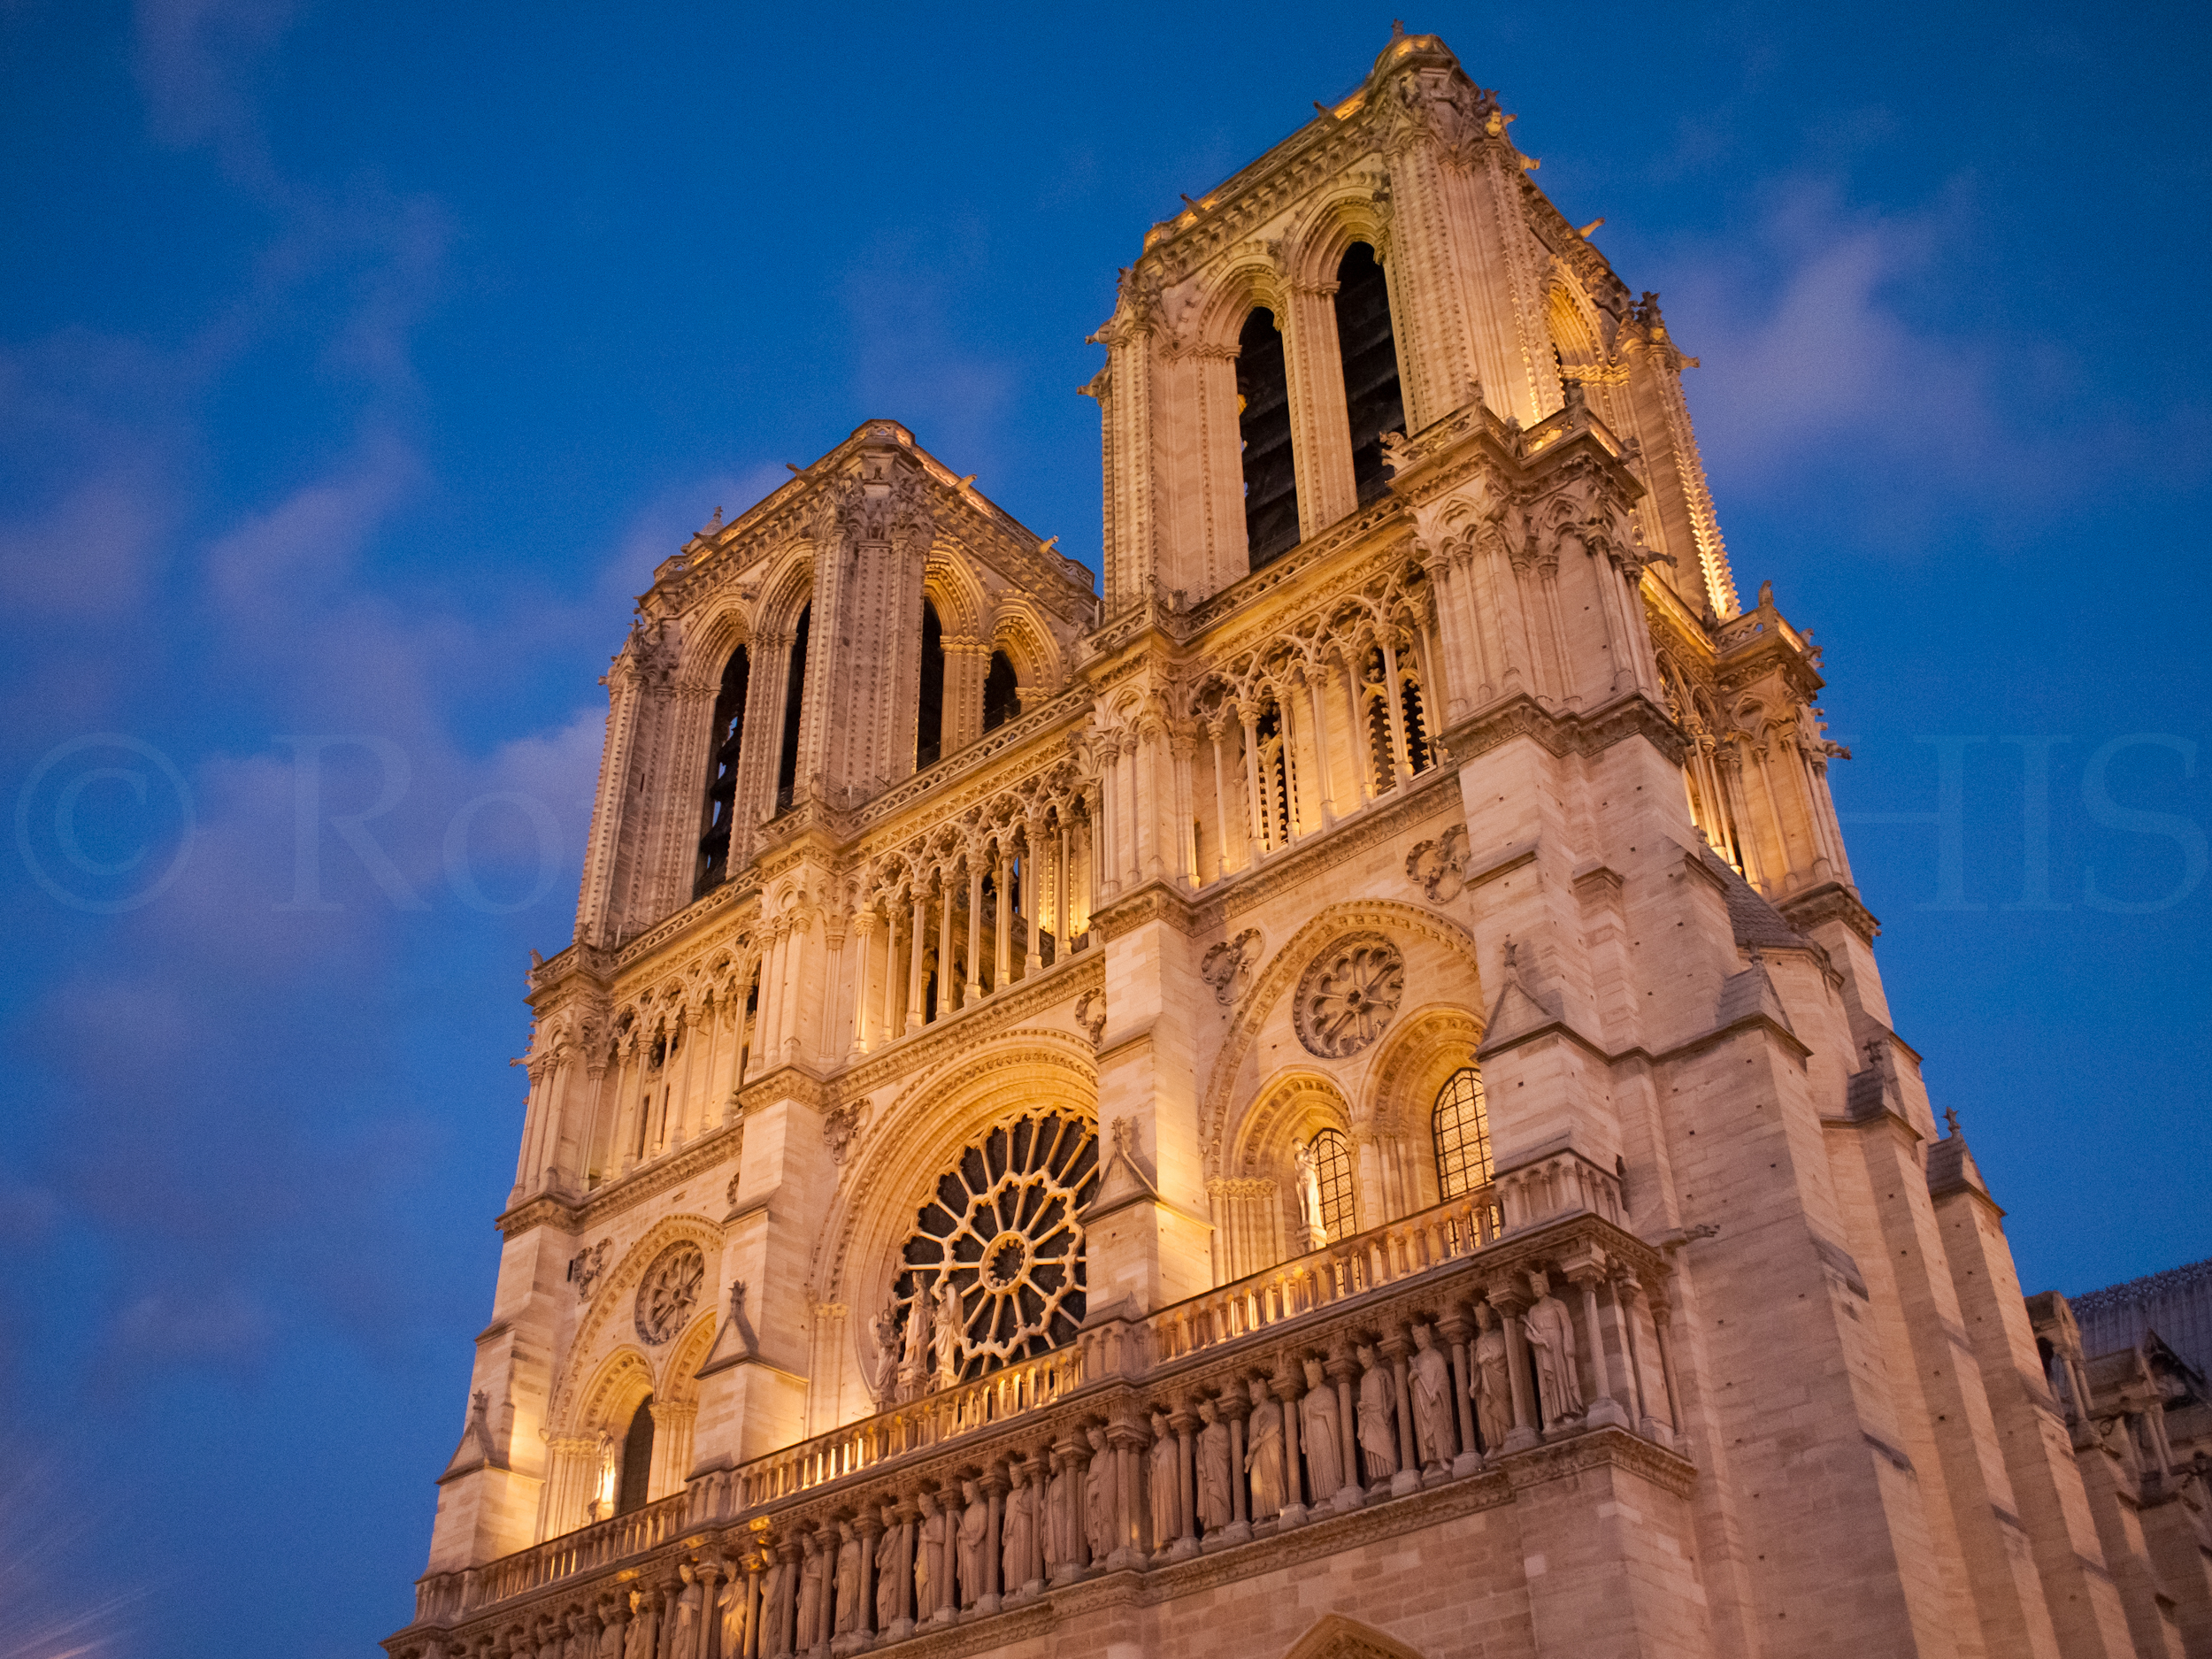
(1349, 994)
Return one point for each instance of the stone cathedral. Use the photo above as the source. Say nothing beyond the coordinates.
(1330, 1096)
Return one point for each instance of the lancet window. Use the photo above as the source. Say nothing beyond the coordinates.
(1002, 692)
(794, 713)
(1333, 1170)
(1270, 479)
(636, 1478)
(1276, 777)
(1461, 1126)
(929, 720)
(721, 802)
(1397, 724)
(1370, 354)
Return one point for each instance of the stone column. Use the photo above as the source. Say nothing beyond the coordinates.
(1394, 705)
(994, 1488)
(915, 959)
(973, 991)
(1313, 679)
(1289, 1393)
(1454, 1326)
(1032, 833)
(1221, 806)
(1260, 821)
(903, 1516)
(871, 1534)
(1362, 745)
(946, 959)
(1506, 1298)
(1001, 906)
(1341, 1370)
(1394, 1347)
(1184, 1422)
(1603, 1408)
(1234, 1409)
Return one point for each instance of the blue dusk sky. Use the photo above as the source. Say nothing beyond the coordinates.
(358, 363)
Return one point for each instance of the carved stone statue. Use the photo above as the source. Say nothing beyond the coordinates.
(1264, 1452)
(1017, 1545)
(1309, 1200)
(1213, 1503)
(913, 1358)
(775, 1618)
(732, 1603)
(611, 1620)
(690, 1616)
(1378, 1418)
(579, 1644)
(848, 1549)
(945, 1337)
(645, 1629)
(928, 1553)
(1431, 1381)
(1491, 1385)
(1099, 1526)
(883, 1375)
(1550, 1330)
(1167, 1496)
(1321, 1431)
(813, 1586)
(1061, 1532)
(975, 1529)
(889, 1543)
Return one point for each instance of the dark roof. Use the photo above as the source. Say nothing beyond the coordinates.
(1755, 921)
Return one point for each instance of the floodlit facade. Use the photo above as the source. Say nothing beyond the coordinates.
(1332, 1096)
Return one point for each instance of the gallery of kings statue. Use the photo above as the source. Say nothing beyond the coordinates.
(1327, 1096)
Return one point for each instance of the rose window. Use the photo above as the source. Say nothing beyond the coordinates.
(1349, 994)
(669, 1292)
(1000, 1231)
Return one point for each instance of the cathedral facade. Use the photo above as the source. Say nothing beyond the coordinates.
(1329, 1096)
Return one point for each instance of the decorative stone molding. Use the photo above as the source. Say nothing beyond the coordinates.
(1439, 867)
(1348, 996)
(1229, 967)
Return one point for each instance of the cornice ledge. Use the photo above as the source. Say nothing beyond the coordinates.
(1154, 900)
(1560, 733)
(542, 1209)
(1831, 902)
(731, 895)
(789, 1081)
(1781, 1033)
(1597, 1449)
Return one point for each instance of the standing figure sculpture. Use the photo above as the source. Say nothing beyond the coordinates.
(1213, 1503)
(1264, 1452)
(1378, 1418)
(1321, 1432)
(1310, 1199)
(690, 1616)
(945, 1337)
(929, 1554)
(889, 1543)
(1432, 1410)
(975, 1526)
(734, 1603)
(1100, 1523)
(611, 1621)
(848, 1548)
(1018, 1542)
(775, 1617)
(813, 1589)
(1167, 1493)
(1491, 1385)
(1550, 1330)
(645, 1629)
(883, 1331)
(914, 1355)
(1061, 1531)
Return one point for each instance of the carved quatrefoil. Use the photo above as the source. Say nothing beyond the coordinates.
(670, 1291)
(1348, 993)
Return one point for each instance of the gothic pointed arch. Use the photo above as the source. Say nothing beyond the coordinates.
(1334, 1636)
(1449, 969)
(607, 1325)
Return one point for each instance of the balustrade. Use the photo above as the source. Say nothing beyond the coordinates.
(1420, 1352)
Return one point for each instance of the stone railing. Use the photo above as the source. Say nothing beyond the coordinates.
(1429, 1350)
